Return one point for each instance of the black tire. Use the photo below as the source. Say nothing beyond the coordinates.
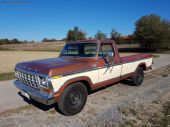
(73, 99)
(138, 77)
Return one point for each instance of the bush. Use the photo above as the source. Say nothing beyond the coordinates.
(116, 36)
(152, 32)
(75, 34)
(100, 35)
(48, 40)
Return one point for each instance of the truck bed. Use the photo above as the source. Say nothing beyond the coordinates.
(136, 57)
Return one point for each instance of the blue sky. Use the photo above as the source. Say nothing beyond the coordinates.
(53, 18)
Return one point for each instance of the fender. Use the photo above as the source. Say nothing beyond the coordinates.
(71, 81)
(143, 65)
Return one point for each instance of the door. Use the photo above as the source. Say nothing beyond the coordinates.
(107, 70)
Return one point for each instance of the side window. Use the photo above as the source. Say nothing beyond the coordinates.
(90, 50)
(104, 49)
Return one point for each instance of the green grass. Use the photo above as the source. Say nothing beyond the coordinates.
(7, 76)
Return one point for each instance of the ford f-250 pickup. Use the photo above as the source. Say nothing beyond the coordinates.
(82, 66)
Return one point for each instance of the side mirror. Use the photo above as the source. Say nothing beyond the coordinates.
(110, 58)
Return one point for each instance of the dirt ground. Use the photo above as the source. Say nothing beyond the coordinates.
(8, 59)
(118, 105)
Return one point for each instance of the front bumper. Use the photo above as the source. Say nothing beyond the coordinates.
(42, 97)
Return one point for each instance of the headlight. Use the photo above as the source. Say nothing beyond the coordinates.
(43, 81)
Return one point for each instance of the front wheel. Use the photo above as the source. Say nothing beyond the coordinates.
(138, 77)
(73, 99)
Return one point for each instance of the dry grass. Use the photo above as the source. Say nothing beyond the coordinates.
(128, 46)
(8, 59)
(45, 46)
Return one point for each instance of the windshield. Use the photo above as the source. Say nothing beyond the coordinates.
(80, 50)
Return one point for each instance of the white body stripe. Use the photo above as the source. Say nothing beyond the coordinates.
(103, 74)
(57, 83)
(131, 66)
(109, 73)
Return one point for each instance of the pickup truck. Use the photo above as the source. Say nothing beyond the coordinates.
(81, 67)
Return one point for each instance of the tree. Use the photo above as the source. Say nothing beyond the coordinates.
(44, 40)
(48, 40)
(4, 41)
(116, 36)
(14, 41)
(75, 34)
(100, 35)
(90, 38)
(25, 41)
(152, 32)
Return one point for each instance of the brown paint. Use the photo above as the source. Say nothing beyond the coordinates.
(143, 65)
(58, 66)
(136, 57)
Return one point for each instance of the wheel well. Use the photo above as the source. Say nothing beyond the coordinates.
(86, 83)
(143, 66)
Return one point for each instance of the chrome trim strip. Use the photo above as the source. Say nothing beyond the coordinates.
(39, 96)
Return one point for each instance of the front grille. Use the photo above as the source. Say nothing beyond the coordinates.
(28, 79)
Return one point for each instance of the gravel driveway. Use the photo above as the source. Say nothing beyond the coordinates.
(162, 61)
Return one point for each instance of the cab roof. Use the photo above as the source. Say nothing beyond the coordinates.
(92, 41)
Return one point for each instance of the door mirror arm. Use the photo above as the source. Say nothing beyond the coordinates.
(109, 59)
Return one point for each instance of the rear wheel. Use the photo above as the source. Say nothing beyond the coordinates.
(138, 77)
(73, 99)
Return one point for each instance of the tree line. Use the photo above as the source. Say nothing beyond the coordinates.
(77, 34)
(14, 41)
(151, 32)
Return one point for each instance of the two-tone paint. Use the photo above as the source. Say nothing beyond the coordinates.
(93, 72)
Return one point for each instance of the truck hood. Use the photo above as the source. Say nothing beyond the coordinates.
(58, 66)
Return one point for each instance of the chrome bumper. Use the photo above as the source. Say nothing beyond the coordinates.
(34, 94)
